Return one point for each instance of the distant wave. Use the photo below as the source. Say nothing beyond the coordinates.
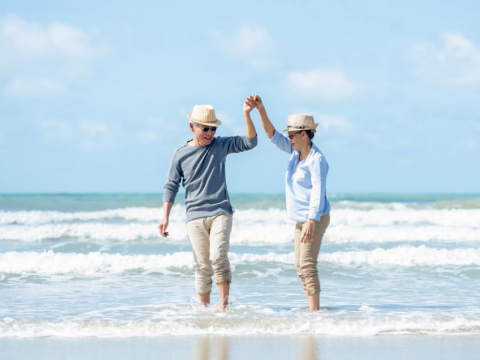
(248, 320)
(373, 215)
(244, 233)
(49, 263)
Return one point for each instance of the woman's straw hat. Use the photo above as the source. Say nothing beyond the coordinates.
(205, 115)
(297, 122)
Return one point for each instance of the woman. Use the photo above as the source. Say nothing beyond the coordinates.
(306, 194)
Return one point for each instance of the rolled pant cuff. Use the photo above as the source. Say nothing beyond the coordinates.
(204, 293)
(313, 292)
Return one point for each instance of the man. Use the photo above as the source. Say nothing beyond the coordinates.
(200, 166)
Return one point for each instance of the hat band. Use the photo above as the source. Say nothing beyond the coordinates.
(207, 121)
(297, 127)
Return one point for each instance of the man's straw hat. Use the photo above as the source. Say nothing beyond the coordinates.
(205, 115)
(297, 122)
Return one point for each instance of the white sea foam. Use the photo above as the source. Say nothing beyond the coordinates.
(94, 263)
(36, 217)
(99, 232)
(397, 222)
(248, 321)
(243, 233)
(378, 215)
(405, 256)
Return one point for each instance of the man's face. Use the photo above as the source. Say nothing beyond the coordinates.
(201, 136)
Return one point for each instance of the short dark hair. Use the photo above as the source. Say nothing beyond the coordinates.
(310, 134)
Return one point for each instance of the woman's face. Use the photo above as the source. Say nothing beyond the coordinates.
(298, 139)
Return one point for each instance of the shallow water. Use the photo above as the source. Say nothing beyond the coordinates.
(93, 265)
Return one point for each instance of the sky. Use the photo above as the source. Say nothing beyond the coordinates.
(94, 95)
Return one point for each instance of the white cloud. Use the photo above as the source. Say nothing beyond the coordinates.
(249, 43)
(456, 62)
(147, 137)
(225, 118)
(42, 59)
(230, 126)
(85, 136)
(320, 84)
(94, 128)
(469, 143)
(330, 121)
(157, 122)
(95, 136)
(55, 131)
(28, 40)
(39, 87)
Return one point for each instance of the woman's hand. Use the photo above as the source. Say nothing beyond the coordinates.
(307, 231)
(258, 102)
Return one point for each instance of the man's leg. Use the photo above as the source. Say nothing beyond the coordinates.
(219, 246)
(224, 290)
(198, 235)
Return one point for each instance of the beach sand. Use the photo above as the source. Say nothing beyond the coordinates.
(306, 347)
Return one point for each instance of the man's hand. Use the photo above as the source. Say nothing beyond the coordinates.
(162, 228)
(307, 231)
(258, 102)
(249, 105)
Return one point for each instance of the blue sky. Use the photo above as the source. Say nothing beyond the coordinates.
(94, 96)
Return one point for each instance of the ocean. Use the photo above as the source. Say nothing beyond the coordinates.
(93, 265)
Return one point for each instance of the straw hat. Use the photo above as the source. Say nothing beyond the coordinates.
(205, 115)
(297, 122)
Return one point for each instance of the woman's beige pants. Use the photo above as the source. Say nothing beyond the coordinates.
(306, 255)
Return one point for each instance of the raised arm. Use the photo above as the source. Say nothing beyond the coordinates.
(248, 106)
(275, 137)
(267, 124)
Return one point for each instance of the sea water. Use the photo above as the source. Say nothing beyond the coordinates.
(94, 265)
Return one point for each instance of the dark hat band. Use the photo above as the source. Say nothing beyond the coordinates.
(297, 127)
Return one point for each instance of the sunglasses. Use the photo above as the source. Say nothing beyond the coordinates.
(205, 129)
(292, 135)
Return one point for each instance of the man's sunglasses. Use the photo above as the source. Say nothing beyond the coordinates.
(205, 129)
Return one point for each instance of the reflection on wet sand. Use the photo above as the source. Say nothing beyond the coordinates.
(212, 348)
(309, 348)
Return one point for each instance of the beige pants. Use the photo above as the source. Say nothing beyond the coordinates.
(306, 255)
(209, 238)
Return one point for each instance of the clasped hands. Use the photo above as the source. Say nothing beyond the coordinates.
(252, 102)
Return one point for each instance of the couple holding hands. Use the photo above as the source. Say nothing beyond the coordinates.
(200, 166)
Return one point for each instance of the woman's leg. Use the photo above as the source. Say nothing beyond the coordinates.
(308, 263)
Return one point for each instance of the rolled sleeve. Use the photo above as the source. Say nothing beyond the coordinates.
(281, 142)
(237, 144)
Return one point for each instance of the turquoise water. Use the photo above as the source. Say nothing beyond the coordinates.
(94, 265)
(88, 202)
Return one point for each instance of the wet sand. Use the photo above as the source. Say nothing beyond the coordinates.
(306, 347)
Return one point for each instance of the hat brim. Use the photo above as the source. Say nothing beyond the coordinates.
(311, 127)
(216, 123)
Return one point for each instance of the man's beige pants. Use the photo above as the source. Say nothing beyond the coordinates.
(209, 238)
(306, 255)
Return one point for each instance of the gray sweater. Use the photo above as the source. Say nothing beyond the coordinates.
(202, 169)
